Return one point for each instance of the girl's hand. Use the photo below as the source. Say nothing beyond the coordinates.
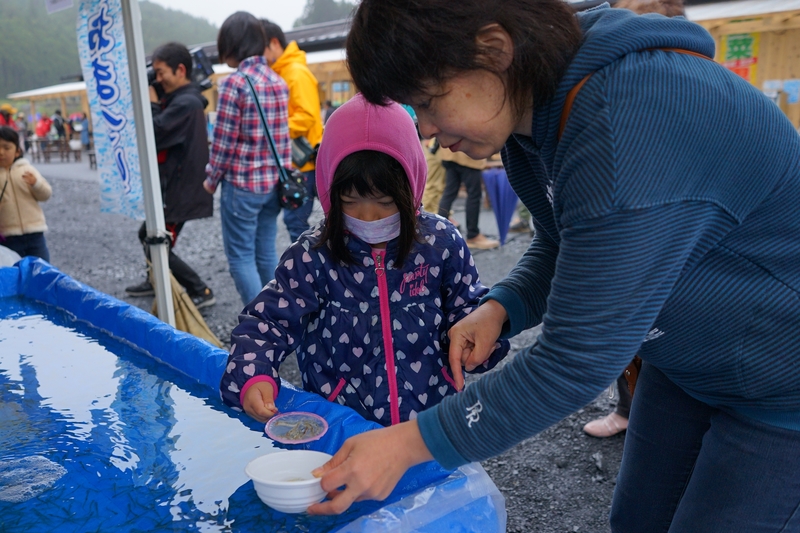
(473, 337)
(29, 178)
(259, 401)
(369, 466)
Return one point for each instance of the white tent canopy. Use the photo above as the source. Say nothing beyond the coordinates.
(76, 86)
(740, 8)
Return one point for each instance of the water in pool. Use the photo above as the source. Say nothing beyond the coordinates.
(97, 436)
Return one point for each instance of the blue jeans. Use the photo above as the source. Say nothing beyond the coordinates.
(296, 220)
(249, 227)
(689, 467)
(28, 244)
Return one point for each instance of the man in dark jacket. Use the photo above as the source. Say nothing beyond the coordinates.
(182, 145)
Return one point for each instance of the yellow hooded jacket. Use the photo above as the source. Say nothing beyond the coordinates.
(305, 117)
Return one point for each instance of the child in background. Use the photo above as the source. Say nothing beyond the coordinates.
(366, 298)
(22, 224)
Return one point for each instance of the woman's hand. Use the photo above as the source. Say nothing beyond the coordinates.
(473, 337)
(29, 178)
(259, 401)
(369, 466)
(208, 188)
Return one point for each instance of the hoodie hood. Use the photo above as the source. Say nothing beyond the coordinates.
(608, 35)
(358, 125)
(291, 54)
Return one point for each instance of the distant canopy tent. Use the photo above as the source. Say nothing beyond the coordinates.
(55, 93)
(503, 198)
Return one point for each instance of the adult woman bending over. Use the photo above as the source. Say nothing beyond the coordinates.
(665, 203)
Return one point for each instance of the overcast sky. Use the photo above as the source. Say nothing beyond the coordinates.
(282, 12)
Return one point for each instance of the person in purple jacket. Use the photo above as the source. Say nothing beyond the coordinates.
(366, 298)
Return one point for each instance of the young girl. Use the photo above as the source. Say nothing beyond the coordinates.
(366, 298)
(22, 224)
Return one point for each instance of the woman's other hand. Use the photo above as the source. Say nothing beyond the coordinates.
(259, 401)
(369, 466)
(472, 338)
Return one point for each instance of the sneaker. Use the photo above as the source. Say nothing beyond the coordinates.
(142, 289)
(608, 426)
(482, 242)
(204, 299)
(519, 226)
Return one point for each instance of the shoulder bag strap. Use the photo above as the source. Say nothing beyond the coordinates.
(281, 170)
(3, 192)
(575, 90)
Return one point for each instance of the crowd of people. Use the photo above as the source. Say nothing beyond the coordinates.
(44, 129)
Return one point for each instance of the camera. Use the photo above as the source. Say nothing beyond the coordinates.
(201, 70)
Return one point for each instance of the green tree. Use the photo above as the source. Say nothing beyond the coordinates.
(39, 49)
(317, 11)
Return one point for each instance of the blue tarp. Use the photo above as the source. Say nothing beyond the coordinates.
(428, 498)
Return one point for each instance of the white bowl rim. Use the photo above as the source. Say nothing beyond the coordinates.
(304, 483)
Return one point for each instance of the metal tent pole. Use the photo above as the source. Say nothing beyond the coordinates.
(148, 162)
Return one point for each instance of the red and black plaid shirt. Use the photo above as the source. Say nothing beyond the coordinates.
(240, 152)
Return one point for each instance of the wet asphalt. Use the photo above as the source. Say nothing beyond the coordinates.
(558, 481)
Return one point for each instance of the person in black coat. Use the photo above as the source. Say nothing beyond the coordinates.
(182, 144)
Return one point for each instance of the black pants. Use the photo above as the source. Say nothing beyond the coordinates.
(28, 244)
(471, 177)
(624, 404)
(185, 275)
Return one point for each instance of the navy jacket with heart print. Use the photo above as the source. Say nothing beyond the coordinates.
(371, 336)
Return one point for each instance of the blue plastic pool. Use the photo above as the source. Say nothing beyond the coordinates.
(110, 421)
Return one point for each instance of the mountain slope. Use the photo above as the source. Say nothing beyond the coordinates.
(39, 49)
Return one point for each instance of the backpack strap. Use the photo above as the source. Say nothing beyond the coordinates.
(573, 93)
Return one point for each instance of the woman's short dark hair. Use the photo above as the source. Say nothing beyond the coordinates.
(369, 173)
(174, 54)
(240, 37)
(397, 48)
(9, 135)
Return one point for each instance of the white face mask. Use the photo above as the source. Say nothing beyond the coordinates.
(375, 232)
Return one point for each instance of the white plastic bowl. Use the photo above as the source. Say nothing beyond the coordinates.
(283, 480)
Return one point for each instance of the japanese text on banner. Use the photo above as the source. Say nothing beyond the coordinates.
(104, 60)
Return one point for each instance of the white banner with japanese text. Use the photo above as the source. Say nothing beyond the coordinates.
(104, 60)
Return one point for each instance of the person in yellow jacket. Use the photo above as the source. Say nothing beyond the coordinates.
(305, 112)
(22, 187)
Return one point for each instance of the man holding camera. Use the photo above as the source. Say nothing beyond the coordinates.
(305, 113)
(182, 145)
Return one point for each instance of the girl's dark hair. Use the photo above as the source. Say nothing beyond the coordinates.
(397, 48)
(240, 37)
(369, 173)
(10, 135)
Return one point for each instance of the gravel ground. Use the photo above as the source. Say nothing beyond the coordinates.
(558, 481)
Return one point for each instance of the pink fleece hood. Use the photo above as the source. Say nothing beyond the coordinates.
(358, 125)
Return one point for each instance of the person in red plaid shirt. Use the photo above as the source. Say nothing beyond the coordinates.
(241, 158)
